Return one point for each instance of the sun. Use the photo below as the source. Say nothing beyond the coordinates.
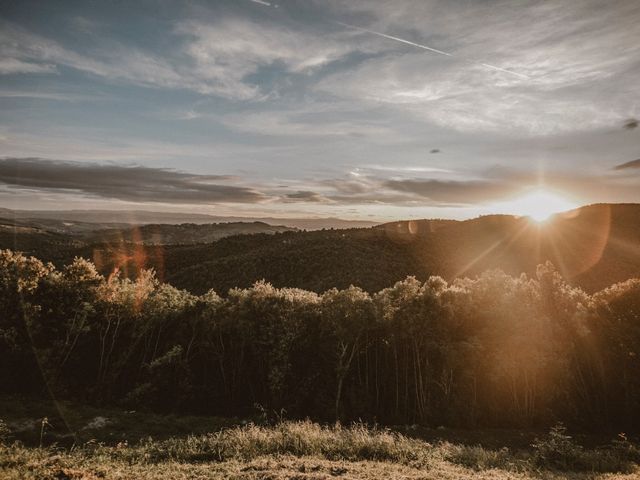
(539, 204)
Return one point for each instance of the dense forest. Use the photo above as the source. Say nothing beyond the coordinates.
(592, 247)
(496, 350)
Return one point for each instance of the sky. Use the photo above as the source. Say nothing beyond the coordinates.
(373, 110)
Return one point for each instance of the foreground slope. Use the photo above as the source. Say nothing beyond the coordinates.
(303, 450)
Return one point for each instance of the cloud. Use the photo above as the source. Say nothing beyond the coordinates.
(319, 121)
(128, 183)
(454, 192)
(226, 53)
(497, 184)
(48, 95)
(556, 42)
(305, 196)
(570, 51)
(10, 66)
(157, 185)
(213, 58)
(627, 165)
(376, 189)
(467, 98)
(408, 168)
(113, 61)
(342, 117)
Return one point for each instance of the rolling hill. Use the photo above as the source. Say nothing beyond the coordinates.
(70, 220)
(592, 246)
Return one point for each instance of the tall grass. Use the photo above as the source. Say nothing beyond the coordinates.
(353, 443)
(356, 443)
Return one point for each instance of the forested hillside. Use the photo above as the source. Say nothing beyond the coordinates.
(182, 234)
(494, 351)
(59, 240)
(592, 247)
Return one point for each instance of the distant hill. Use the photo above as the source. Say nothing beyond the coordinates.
(144, 217)
(593, 247)
(182, 234)
(33, 240)
(61, 240)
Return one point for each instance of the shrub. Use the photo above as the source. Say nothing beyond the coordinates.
(624, 449)
(5, 432)
(557, 450)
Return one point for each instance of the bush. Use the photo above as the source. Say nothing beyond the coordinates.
(623, 448)
(5, 432)
(557, 450)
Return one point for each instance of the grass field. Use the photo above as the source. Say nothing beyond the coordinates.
(82, 442)
(41, 465)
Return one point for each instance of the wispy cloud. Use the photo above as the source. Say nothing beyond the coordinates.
(566, 49)
(407, 168)
(305, 123)
(209, 58)
(305, 196)
(228, 52)
(10, 66)
(454, 192)
(48, 95)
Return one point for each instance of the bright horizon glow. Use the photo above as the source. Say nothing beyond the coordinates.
(538, 204)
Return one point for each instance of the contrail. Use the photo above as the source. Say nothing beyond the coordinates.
(407, 42)
(384, 35)
(424, 47)
(521, 75)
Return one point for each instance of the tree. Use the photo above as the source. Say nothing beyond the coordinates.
(346, 314)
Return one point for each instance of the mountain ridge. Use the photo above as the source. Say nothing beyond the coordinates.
(593, 247)
(144, 217)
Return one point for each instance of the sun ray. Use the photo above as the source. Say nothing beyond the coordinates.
(538, 204)
(505, 241)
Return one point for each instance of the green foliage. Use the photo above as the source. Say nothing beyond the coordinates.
(5, 432)
(371, 258)
(495, 350)
(558, 450)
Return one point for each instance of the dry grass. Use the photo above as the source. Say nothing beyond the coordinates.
(354, 443)
(289, 450)
(45, 466)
